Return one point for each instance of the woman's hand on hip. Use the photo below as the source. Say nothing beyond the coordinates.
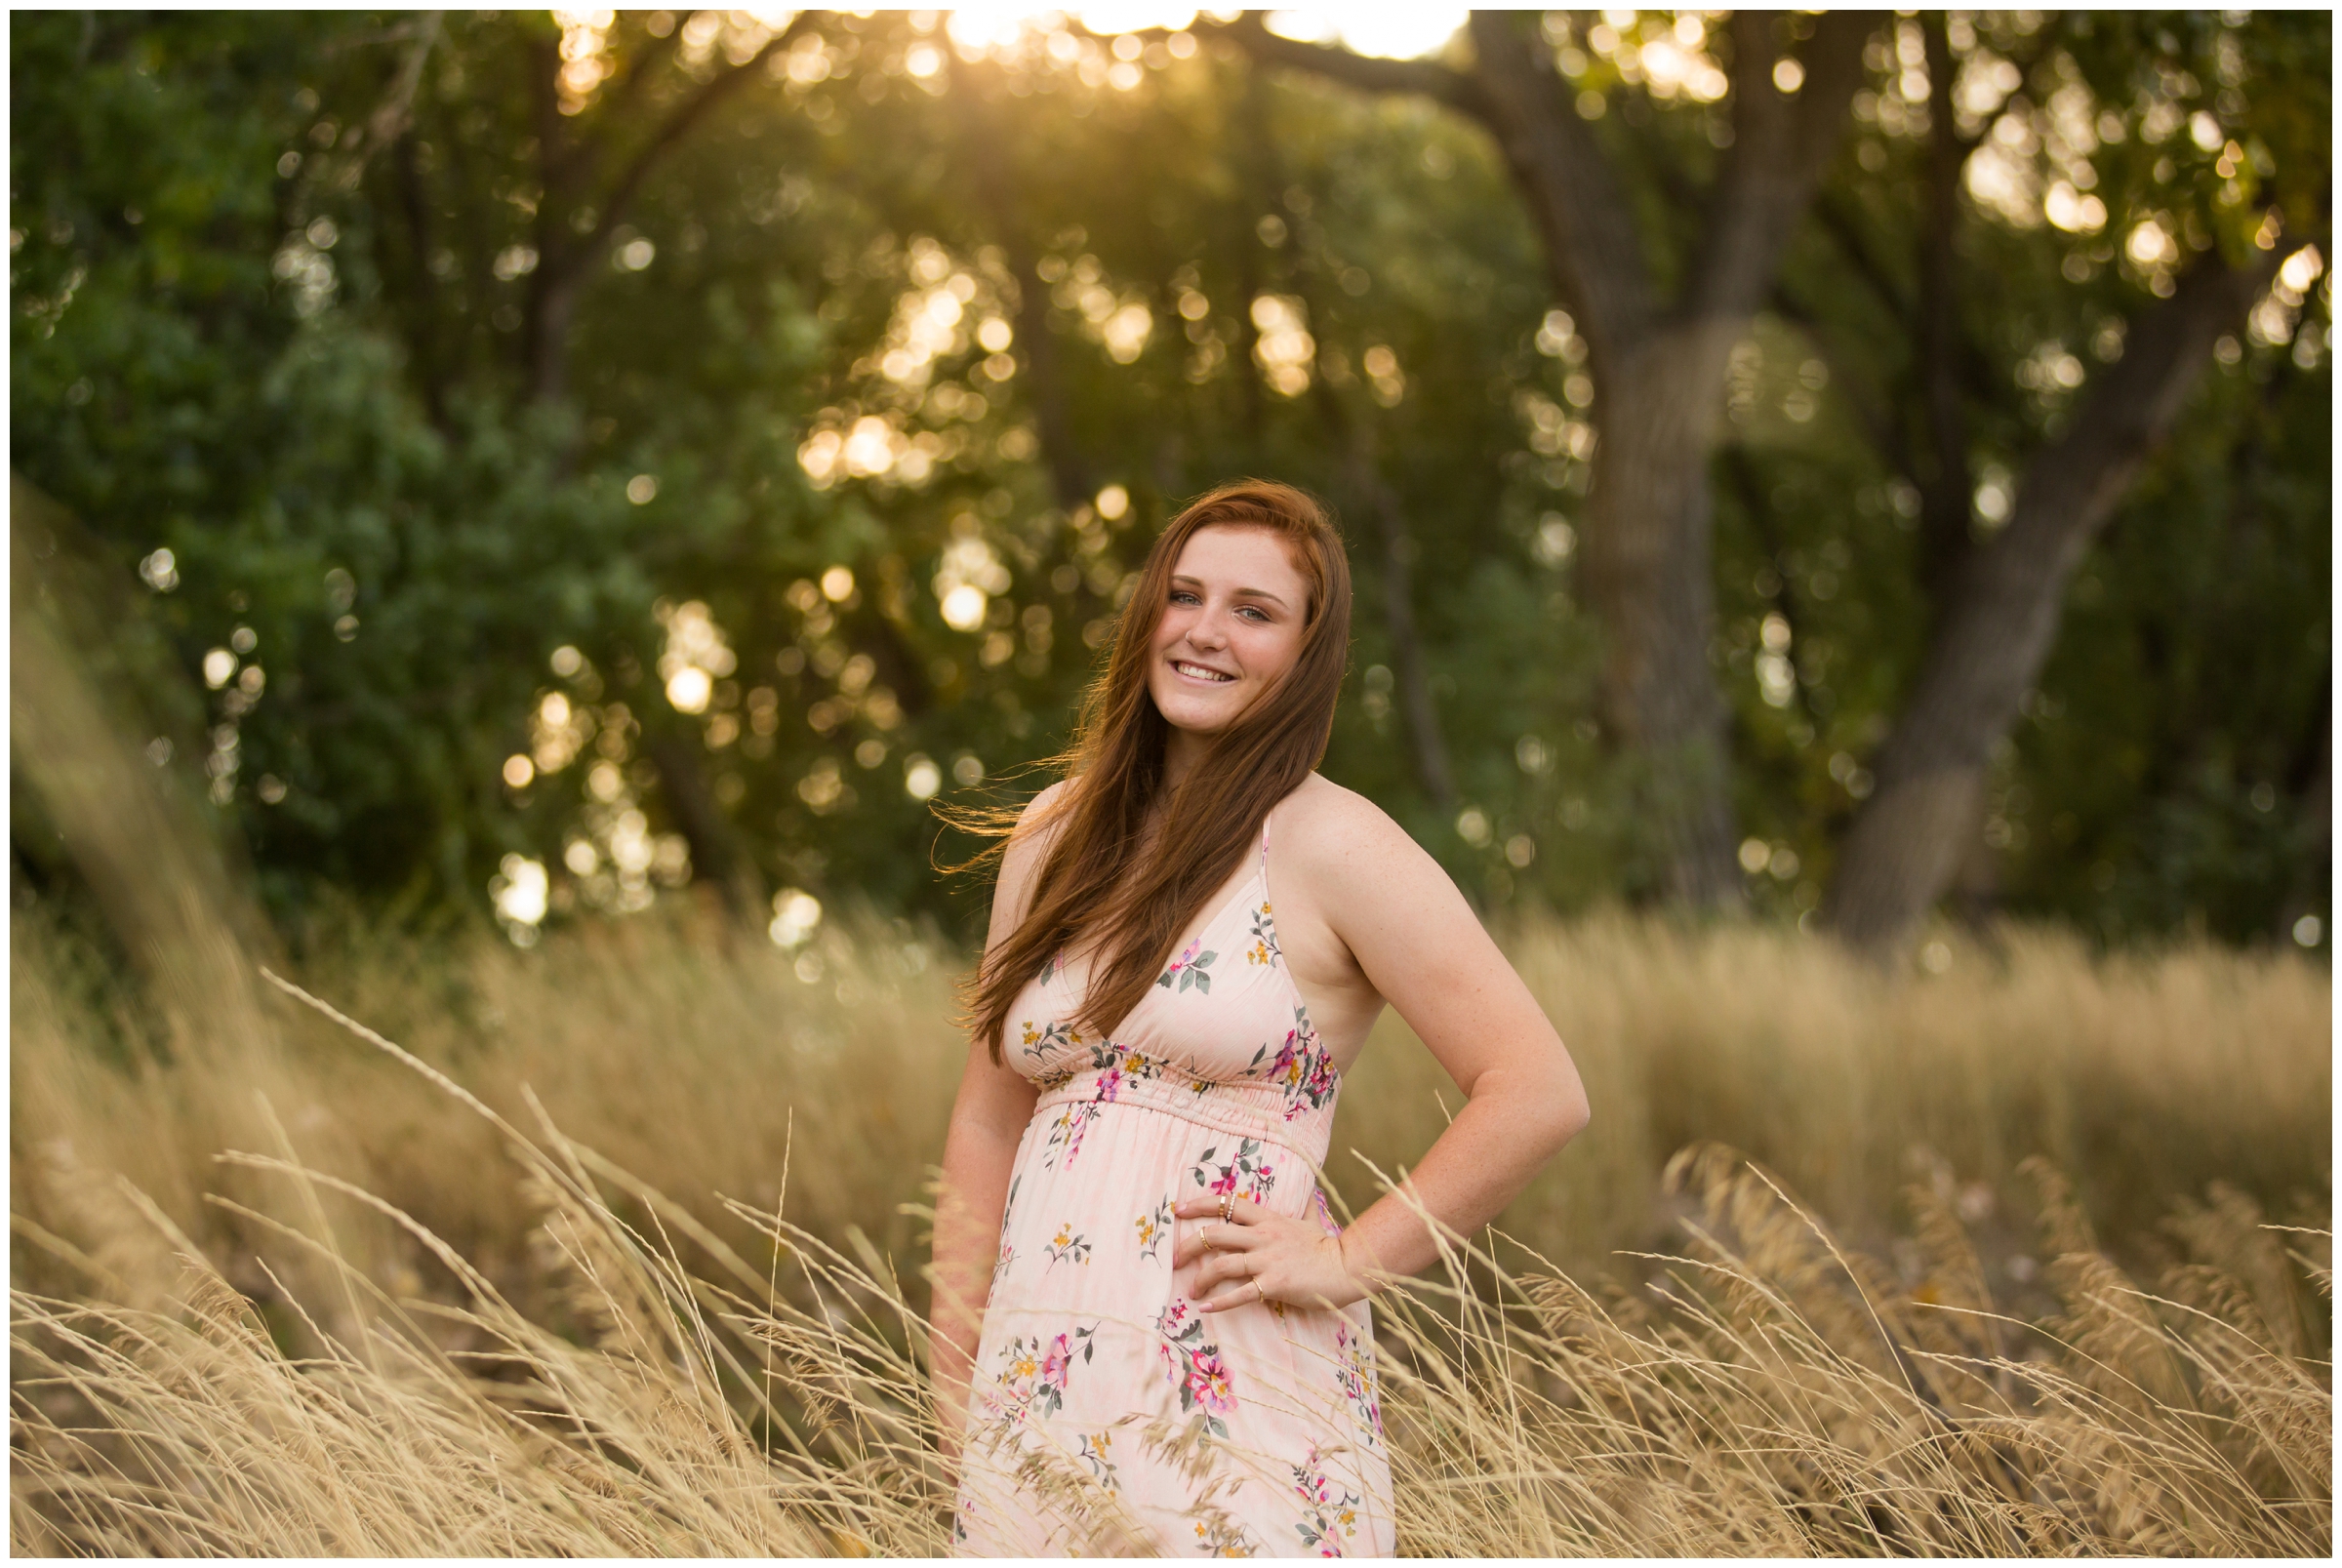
(1251, 1256)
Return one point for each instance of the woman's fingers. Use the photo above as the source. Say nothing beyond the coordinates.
(1214, 1236)
(1240, 1209)
(1218, 1270)
(1237, 1291)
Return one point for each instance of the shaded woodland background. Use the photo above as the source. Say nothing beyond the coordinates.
(1824, 466)
(516, 520)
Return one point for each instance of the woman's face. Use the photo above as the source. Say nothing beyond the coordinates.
(1231, 626)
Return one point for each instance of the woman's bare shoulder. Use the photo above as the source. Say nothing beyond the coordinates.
(1324, 829)
(1039, 823)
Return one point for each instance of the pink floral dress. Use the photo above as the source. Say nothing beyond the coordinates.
(1107, 1415)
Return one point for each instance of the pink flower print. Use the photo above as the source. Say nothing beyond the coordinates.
(1057, 1361)
(1224, 1182)
(1110, 1085)
(1209, 1379)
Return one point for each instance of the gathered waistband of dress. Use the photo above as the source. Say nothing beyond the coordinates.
(1229, 1106)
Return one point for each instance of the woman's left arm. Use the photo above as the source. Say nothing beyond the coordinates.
(1422, 948)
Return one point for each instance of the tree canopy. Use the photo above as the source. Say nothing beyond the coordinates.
(573, 455)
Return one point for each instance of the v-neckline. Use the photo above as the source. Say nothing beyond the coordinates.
(1057, 967)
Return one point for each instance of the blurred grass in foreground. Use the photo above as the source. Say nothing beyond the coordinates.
(1773, 1393)
(261, 1351)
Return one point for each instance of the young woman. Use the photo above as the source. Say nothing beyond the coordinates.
(1157, 1332)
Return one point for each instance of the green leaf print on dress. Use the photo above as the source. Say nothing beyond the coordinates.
(1095, 1447)
(1223, 1537)
(1189, 969)
(1246, 1176)
(1263, 948)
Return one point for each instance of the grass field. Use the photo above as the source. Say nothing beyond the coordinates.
(2010, 1270)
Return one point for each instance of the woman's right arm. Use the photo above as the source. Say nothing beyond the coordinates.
(987, 1121)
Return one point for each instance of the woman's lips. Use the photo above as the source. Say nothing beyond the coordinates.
(1201, 673)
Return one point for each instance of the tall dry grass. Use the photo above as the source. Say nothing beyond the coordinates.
(1778, 1394)
(705, 1064)
(295, 1294)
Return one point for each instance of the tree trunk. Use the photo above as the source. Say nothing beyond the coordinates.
(2000, 619)
(1646, 573)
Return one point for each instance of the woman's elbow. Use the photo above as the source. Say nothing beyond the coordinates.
(1566, 1111)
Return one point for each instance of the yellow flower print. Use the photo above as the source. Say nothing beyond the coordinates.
(1067, 1246)
(1153, 1228)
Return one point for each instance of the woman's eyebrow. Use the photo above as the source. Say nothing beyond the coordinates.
(1181, 579)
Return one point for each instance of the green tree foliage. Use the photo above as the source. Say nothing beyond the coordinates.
(674, 451)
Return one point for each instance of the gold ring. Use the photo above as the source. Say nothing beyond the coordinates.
(1209, 1245)
(1228, 1207)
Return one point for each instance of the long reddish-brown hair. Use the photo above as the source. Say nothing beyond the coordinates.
(1089, 893)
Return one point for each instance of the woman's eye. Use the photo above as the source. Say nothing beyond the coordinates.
(1256, 613)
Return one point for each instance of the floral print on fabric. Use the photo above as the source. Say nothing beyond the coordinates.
(1008, 1249)
(1189, 969)
(1095, 1453)
(1302, 1068)
(1329, 1511)
(1223, 1537)
(1111, 1414)
(1115, 1067)
(1033, 1373)
(1247, 1173)
(1263, 948)
(1195, 1367)
(1154, 1229)
(1067, 1246)
(1354, 1364)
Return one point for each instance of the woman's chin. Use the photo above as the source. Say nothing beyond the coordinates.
(1201, 718)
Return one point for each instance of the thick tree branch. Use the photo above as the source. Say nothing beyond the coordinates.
(1427, 78)
(563, 262)
(1944, 491)
(1781, 143)
(1600, 267)
(678, 124)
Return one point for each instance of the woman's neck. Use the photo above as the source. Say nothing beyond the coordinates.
(1183, 749)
